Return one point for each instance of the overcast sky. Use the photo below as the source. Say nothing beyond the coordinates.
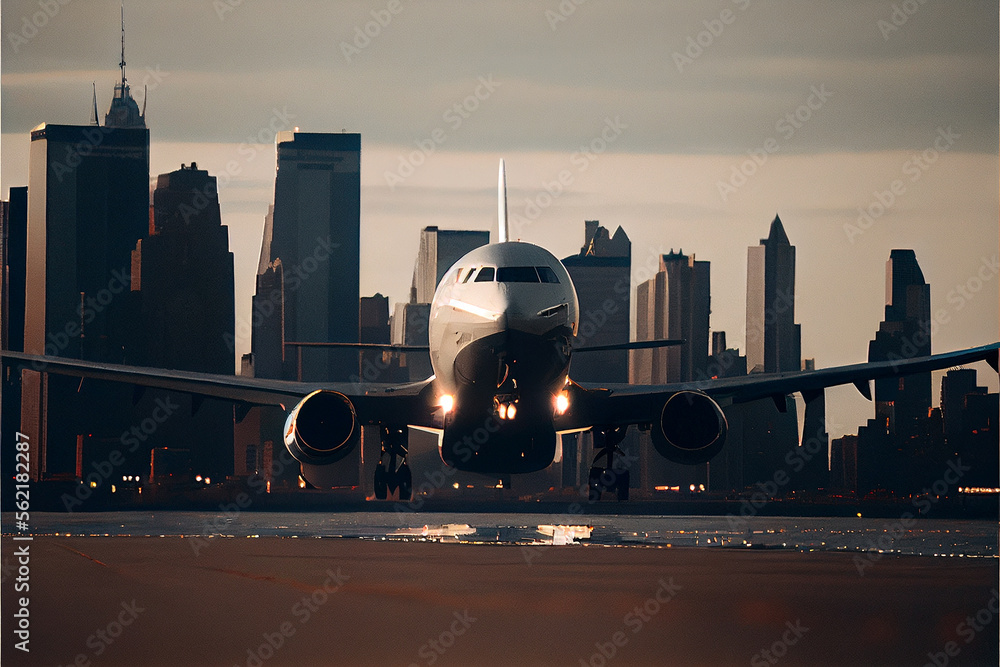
(838, 100)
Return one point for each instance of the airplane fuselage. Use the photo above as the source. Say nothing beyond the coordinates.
(501, 328)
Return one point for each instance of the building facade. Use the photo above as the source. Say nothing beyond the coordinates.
(601, 273)
(88, 205)
(316, 233)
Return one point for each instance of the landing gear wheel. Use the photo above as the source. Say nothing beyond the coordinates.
(405, 478)
(621, 486)
(392, 471)
(606, 441)
(381, 486)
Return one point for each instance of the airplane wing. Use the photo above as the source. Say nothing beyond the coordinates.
(634, 345)
(686, 419)
(619, 404)
(372, 402)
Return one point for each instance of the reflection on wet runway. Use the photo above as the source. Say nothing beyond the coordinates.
(926, 537)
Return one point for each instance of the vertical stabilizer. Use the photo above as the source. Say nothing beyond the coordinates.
(502, 203)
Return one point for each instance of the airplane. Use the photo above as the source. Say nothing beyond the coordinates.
(502, 333)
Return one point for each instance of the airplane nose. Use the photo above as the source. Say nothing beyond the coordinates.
(535, 317)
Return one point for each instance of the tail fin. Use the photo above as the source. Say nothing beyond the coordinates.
(502, 203)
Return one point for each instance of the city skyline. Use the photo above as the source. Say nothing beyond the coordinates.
(873, 103)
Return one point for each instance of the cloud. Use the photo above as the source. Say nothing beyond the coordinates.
(226, 75)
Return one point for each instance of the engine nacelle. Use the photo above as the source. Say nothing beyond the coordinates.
(691, 428)
(322, 429)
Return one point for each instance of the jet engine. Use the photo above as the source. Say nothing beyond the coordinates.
(691, 428)
(322, 429)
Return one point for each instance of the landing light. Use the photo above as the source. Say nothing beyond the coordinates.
(447, 402)
(505, 410)
(562, 403)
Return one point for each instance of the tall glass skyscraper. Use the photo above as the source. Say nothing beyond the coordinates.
(675, 304)
(601, 273)
(439, 250)
(903, 334)
(773, 340)
(88, 205)
(316, 233)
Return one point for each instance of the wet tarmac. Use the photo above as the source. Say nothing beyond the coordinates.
(414, 599)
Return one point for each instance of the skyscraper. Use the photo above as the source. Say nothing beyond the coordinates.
(409, 326)
(377, 365)
(970, 426)
(601, 273)
(316, 235)
(770, 430)
(267, 318)
(439, 250)
(183, 273)
(674, 304)
(640, 368)
(88, 205)
(15, 239)
(773, 338)
(124, 111)
(877, 463)
(844, 464)
(903, 334)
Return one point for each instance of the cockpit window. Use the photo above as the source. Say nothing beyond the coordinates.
(485, 274)
(468, 274)
(517, 274)
(547, 275)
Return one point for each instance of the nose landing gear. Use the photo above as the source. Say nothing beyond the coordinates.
(611, 478)
(393, 474)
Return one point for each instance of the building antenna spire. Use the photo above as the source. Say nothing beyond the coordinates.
(94, 120)
(122, 63)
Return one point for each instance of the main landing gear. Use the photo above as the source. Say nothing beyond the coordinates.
(393, 475)
(606, 441)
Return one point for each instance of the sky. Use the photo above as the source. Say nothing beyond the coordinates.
(866, 125)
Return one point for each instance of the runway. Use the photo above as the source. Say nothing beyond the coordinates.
(322, 601)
